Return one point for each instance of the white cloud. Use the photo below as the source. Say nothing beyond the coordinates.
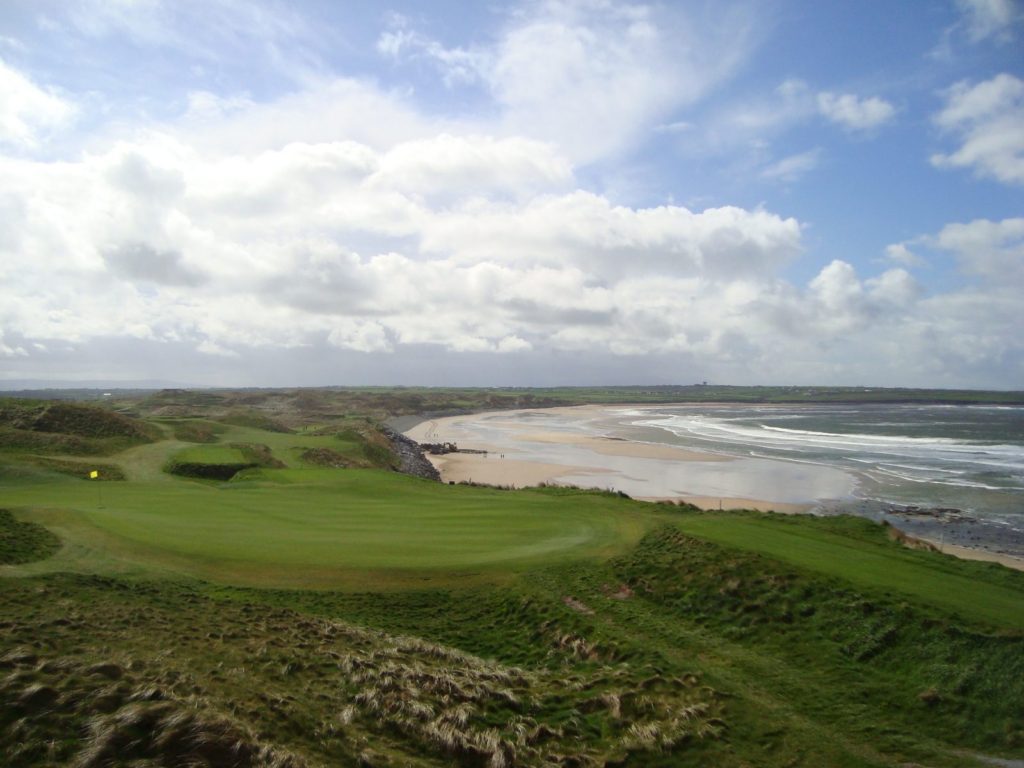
(901, 254)
(991, 249)
(453, 166)
(8, 351)
(989, 18)
(155, 240)
(27, 112)
(212, 33)
(457, 65)
(208, 347)
(343, 221)
(513, 344)
(590, 77)
(587, 231)
(284, 263)
(854, 113)
(325, 110)
(987, 117)
(791, 168)
(359, 335)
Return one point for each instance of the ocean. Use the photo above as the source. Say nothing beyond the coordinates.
(965, 457)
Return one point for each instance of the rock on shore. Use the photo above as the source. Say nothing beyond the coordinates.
(411, 457)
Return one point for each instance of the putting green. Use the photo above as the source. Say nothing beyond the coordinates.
(319, 527)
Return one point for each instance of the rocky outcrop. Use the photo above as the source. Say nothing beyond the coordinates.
(411, 459)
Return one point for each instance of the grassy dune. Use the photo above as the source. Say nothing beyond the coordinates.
(299, 615)
(856, 551)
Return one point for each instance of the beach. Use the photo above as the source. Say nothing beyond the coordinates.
(615, 448)
(570, 450)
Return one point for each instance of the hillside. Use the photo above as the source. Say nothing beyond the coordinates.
(313, 607)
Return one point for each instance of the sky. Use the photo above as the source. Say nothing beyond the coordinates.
(257, 193)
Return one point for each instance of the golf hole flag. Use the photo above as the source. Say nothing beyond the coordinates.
(94, 474)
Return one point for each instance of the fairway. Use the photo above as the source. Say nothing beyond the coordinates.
(316, 527)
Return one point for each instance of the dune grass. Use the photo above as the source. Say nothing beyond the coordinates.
(858, 551)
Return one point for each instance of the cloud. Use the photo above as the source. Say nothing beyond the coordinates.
(208, 347)
(454, 166)
(987, 19)
(359, 335)
(369, 250)
(139, 261)
(586, 231)
(9, 351)
(216, 33)
(345, 221)
(326, 110)
(513, 344)
(457, 65)
(791, 168)
(987, 118)
(993, 250)
(901, 254)
(854, 113)
(475, 274)
(28, 113)
(589, 77)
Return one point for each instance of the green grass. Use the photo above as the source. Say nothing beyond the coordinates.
(195, 430)
(843, 548)
(320, 527)
(309, 616)
(211, 454)
(24, 542)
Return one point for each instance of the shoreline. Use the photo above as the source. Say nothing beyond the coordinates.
(608, 458)
(509, 450)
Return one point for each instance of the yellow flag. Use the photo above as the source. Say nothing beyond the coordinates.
(94, 474)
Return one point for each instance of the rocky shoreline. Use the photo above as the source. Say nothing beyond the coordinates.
(411, 457)
(940, 525)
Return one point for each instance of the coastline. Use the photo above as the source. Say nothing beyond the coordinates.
(975, 553)
(564, 449)
(586, 446)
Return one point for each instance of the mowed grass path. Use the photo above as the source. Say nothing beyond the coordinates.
(935, 579)
(323, 527)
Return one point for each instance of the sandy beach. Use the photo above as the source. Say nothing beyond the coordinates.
(590, 447)
(972, 553)
(604, 461)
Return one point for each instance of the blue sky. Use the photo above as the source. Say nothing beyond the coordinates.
(262, 193)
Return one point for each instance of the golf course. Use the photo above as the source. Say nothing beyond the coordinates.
(257, 579)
